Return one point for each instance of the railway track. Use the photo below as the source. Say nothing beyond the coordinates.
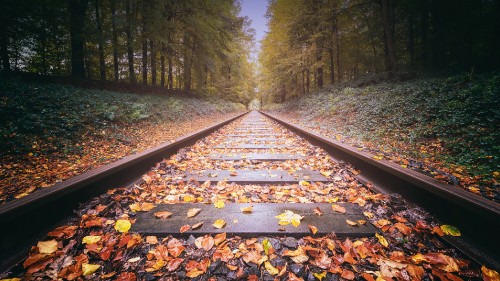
(247, 172)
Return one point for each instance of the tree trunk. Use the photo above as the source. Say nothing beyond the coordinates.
(388, 23)
(332, 65)
(144, 60)
(153, 62)
(170, 82)
(77, 9)
(115, 39)
(130, 50)
(162, 68)
(411, 40)
(100, 38)
(319, 69)
(4, 52)
(337, 39)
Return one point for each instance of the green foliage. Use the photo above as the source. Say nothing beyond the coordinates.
(460, 113)
(63, 113)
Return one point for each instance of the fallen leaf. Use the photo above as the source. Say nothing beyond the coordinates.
(233, 174)
(193, 212)
(247, 210)
(313, 229)
(338, 209)
(289, 217)
(320, 276)
(122, 225)
(151, 240)
(351, 223)
(141, 207)
(126, 276)
(196, 225)
(174, 264)
(347, 274)
(450, 230)
(382, 240)
(66, 231)
(88, 268)
(91, 239)
(270, 268)
(297, 256)
(219, 204)
(188, 198)
(162, 215)
(489, 274)
(368, 215)
(378, 157)
(47, 247)
(318, 211)
(304, 183)
(267, 246)
(184, 228)
(220, 223)
(206, 242)
(175, 247)
(219, 238)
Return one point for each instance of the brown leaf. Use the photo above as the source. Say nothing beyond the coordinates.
(318, 211)
(404, 229)
(219, 238)
(184, 228)
(347, 274)
(174, 264)
(163, 215)
(206, 242)
(175, 247)
(66, 231)
(196, 225)
(338, 208)
(313, 229)
(126, 276)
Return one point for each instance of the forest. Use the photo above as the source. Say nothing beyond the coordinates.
(198, 45)
(313, 43)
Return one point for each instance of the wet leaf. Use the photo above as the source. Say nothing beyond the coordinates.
(450, 230)
(338, 208)
(297, 256)
(122, 226)
(66, 231)
(163, 215)
(193, 212)
(126, 276)
(220, 223)
(47, 247)
(88, 268)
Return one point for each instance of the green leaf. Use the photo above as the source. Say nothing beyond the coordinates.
(450, 230)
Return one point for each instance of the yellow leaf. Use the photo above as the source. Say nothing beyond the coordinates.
(270, 268)
(88, 268)
(378, 157)
(219, 204)
(266, 245)
(219, 223)
(313, 229)
(332, 200)
(289, 217)
(327, 173)
(247, 210)
(489, 274)
(91, 239)
(450, 230)
(381, 240)
(193, 212)
(368, 215)
(320, 276)
(304, 183)
(188, 198)
(351, 223)
(122, 225)
(11, 279)
(404, 166)
(47, 247)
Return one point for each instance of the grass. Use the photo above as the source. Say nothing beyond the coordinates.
(452, 123)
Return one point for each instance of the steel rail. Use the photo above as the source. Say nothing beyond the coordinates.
(27, 220)
(477, 218)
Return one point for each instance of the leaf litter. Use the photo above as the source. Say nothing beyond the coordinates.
(407, 246)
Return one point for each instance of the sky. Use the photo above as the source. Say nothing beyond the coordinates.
(256, 10)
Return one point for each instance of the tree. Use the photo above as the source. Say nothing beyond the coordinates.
(77, 10)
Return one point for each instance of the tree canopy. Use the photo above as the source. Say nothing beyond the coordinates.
(311, 43)
(196, 45)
